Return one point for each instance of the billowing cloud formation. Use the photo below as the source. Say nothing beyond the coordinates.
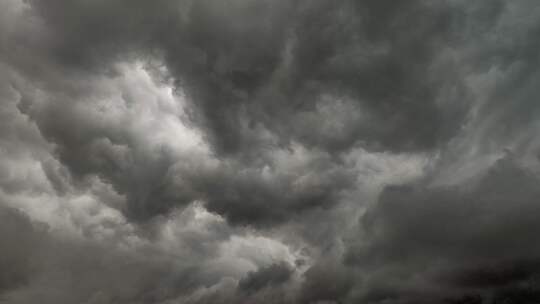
(446, 242)
(271, 63)
(274, 274)
(257, 151)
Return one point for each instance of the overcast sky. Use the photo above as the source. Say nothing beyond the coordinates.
(269, 151)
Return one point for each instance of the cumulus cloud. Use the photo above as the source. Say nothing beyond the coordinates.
(258, 151)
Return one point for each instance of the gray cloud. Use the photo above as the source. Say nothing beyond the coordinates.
(309, 59)
(257, 151)
(448, 242)
(311, 50)
(18, 256)
(40, 263)
(272, 275)
(326, 282)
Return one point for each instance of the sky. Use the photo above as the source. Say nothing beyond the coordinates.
(269, 151)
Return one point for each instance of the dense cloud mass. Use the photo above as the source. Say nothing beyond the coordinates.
(269, 151)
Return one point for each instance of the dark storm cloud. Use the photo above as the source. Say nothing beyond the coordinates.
(345, 50)
(450, 242)
(381, 56)
(392, 94)
(78, 68)
(18, 254)
(272, 275)
(156, 179)
(107, 148)
(270, 62)
(36, 263)
(246, 196)
(326, 282)
(138, 131)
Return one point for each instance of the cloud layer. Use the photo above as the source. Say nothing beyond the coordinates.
(257, 151)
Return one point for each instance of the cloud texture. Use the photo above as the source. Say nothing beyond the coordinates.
(257, 151)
